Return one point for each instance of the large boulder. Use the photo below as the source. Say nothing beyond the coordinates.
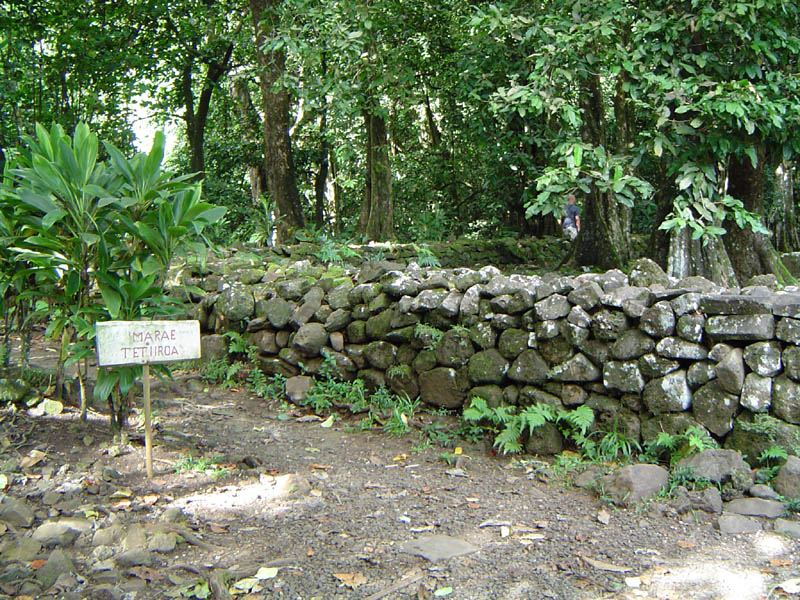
(634, 483)
(714, 408)
(669, 393)
(529, 367)
(720, 466)
(443, 386)
(787, 481)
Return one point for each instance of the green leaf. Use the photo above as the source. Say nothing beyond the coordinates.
(750, 151)
(111, 299)
(577, 154)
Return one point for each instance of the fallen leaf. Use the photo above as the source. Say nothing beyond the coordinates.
(780, 562)
(604, 566)
(38, 563)
(633, 582)
(246, 584)
(33, 459)
(321, 467)
(457, 450)
(3, 528)
(122, 493)
(790, 586)
(685, 544)
(122, 505)
(312, 450)
(3, 481)
(442, 592)
(400, 457)
(328, 422)
(145, 573)
(505, 531)
(218, 528)
(532, 536)
(351, 580)
(266, 573)
(308, 418)
(604, 517)
(150, 499)
(472, 499)
(491, 523)
(52, 407)
(310, 553)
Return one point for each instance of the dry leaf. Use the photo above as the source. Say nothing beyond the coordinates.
(604, 566)
(328, 422)
(604, 517)
(505, 531)
(33, 459)
(150, 499)
(780, 562)
(685, 544)
(218, 529)
(122, 505)
(351, 580)
(633, 582)
(3, 528)
(529, 537)
(321, 467)
(310, 553)
(266, 573)
(123, 493)
(38, 563)
(457, 450)
(400, 457)
(790, 586)
(145, 573)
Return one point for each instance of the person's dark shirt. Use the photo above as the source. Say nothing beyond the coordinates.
(572, 212)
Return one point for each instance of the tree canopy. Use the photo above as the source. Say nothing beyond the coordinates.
(424, 120)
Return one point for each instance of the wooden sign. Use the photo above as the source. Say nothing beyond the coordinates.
(146, 342)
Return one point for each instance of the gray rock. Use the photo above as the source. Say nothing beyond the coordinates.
(310, 339)
(674, 347)
(708, 500)
(686, 303)
(297, 387)
(137, 557)
(764, 358)
(791, 362)
(756, 507)
(470, 303)
(338, 297)
(443, 386)
(730, 371)
(788, 528)
(787, 306)
(714, 408)
(24, 549)
(658, 320)
(428, 300)
(488, 366)
(512, 342)
(16, 512)
(741, 327)
(309, 304)
(545, 440)
(632, 344)
(547, 330)
(454, 348)
(734, 304)
(719, 351)
(529, 367)
(438, 547)
(574, 335)
(55, 533)
(236, 303)
(466, 278)
(720, 466)
(669, 393)
(788, 330)
(787, 481)
(338, 320)
(491, 394)
(381, 355)
(674, 423)
(690, 327)
(737, 524)
(109, 536)
(483, 335)
(700, 373)
(786, 399)
(613, 279)
(653, 366)
(587, 295)
(763, 491)
(162, 542)
(213, 347)
(608, 325)
(646, 272)
(278, 312)
(578, 316)
(577, 368)
(617, 297)
(757, 393)
(553, 307)
(449, 307)
(399, 284)
(633, 483)
(58, 563)
(623, 376)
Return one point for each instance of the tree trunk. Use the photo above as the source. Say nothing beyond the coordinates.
(377, 220)
(688, 257)
(604, 239)
(321, 178)
(196, 117)
(250, 121)
(281, 184)
(786, 232)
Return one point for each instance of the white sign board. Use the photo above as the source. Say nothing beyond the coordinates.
(146, 342)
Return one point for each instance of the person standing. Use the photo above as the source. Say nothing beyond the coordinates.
(571, 221)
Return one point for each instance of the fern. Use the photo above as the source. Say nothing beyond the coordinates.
(508, 440)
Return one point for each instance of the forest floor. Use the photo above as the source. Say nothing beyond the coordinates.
(274, 502)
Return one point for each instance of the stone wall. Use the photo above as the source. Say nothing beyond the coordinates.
(647, 353)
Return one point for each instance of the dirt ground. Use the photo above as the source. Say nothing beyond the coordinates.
(325, 512)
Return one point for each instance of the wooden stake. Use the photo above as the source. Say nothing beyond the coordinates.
(148, 429)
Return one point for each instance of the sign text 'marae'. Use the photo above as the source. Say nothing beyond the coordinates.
(140, 342)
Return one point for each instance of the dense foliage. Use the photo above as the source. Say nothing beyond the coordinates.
(423, 120)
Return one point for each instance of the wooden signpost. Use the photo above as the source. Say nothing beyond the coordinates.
(143, 343)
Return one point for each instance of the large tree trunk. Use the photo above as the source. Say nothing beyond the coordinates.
(688, 257)
(197, 115)
(604, 239)
(751, 253)
(786, 233)
(281, 184)
(377, 220)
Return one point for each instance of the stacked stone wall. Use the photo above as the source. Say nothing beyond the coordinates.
(646, 352)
